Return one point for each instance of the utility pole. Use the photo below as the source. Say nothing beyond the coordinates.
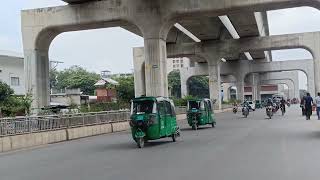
(53, 65)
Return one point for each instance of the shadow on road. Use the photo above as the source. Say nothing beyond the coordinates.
(132, 145)
(199, 128)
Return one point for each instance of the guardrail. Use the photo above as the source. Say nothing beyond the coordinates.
(25, 125)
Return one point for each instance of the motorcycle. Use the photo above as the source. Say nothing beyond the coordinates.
(269, 111)
(245, 111)
(235, 109)
(275, 108)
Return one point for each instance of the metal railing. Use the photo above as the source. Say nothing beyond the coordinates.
(25, 125)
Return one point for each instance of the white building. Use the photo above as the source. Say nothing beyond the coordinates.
(175, 64)
(12, 71)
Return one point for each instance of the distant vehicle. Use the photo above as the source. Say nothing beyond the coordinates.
(200, 113)
(269, 111)
(245, 111)
(252, 105)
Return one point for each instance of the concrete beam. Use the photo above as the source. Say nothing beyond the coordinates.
(216, 7)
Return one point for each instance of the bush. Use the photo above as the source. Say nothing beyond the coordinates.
(104, 106)
(14, 106)
(182, 101)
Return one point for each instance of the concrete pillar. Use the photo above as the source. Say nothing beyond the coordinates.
(36, 71)
(240, 88)
(215, 82)
(312, 84)
(256, 88)
(155, 67)
(139, 71)
(184, 83)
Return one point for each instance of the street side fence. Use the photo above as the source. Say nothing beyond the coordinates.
(26, 125)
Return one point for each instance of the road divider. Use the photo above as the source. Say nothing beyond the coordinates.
(33, 139)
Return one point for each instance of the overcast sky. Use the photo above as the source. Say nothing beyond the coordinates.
(111, 48)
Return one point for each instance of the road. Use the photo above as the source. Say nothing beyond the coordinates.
(284, 148)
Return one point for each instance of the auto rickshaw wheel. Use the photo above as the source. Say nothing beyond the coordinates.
(213, 124)
(140, 142)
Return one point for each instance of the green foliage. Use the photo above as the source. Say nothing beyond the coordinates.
(106, 106)
(76, 77)
(199, 86)
(183, 101)
(125, 89)
(11, 105)
(174, 83)
(26, 102)
(53, 74)
(5, 92)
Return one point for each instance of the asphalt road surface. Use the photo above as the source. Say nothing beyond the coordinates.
(284, 148)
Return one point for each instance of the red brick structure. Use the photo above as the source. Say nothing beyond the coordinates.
(105, 90)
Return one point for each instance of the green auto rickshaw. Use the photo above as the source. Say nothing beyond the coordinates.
(153, 118)
(199, 113)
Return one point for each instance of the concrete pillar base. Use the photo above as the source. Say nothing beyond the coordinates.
(36, 69)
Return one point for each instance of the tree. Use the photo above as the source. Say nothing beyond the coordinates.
(174, 84)
(125, 89)
(53, 74)
(5, 93)
(199, 86)
(77, 77)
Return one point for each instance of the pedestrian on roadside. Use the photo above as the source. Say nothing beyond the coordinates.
(317, 101)
(308, 103)
(303, 110)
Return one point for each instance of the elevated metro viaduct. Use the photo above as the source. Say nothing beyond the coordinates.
(153, 20)
(253, 80)
(238, 69)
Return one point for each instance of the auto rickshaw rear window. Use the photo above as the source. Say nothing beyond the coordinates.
(139, 107)
(194, 104)
(169, 110)
(161, 108)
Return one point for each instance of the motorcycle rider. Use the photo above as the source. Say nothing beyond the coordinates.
(283, 104)
(246, 104)
(269, 102)
(245, 108)
(235, 107)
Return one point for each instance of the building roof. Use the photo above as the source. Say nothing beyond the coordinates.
(104, 81)
(11, 54)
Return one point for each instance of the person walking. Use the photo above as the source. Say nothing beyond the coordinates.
(317, 101)
(303, 110)
(308, 103)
